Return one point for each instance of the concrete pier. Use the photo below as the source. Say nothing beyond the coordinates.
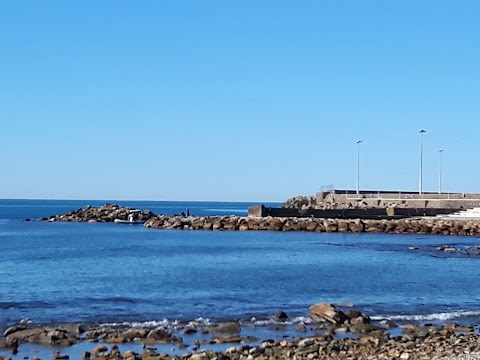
(382, 199)
(347, 204)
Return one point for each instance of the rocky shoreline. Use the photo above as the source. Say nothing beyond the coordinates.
(362, 339)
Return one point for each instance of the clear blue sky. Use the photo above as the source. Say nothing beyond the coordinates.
(235, 100)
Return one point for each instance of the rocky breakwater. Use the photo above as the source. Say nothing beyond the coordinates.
(414, 226)
(105, 213)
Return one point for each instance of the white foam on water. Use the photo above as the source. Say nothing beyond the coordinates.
(159, 323)
(151, 323)
(199, 321)
(205, 321)
(292, 321)
(430, 317)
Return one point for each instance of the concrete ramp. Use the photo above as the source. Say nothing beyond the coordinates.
(468, 214)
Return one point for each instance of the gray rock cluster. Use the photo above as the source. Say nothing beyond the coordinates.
(301, 202)
(415, 226)
(339, 202)
(105, 213)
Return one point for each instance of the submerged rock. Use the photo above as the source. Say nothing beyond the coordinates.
(228, 327)
(281, 315)
(160, 335)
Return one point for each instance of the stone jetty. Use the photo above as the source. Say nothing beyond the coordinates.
(105, 213)
(426, 225)
(432, 225)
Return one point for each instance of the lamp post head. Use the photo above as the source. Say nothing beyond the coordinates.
(441, 150)
(422, 131)
(359, 141)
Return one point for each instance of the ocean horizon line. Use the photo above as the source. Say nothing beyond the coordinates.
(144, 200)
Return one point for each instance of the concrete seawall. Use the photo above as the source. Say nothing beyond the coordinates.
(361, 213)
(344, 199)
(402, 226)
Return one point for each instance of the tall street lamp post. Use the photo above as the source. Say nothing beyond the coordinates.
(358, 166)
(420, 189)
(440, 170)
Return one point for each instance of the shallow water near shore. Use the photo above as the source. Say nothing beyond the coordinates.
(108, 273)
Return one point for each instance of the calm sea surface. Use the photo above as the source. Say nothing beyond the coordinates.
(102, 273)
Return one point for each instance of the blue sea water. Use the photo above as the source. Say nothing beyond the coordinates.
(110, 273)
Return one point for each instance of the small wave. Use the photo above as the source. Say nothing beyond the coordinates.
(7, 305)
(159, 323)
(151, 323)
(430, 317)
(205, 321)
(292, 321)
(115, 300)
